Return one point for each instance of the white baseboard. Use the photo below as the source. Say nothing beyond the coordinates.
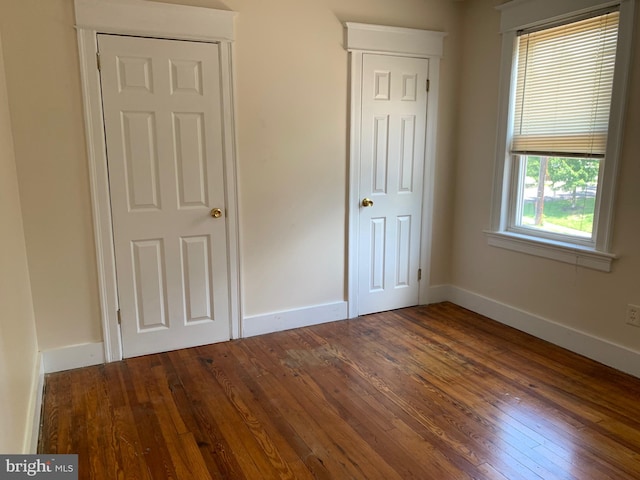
(300, 317)
(591, 346)
(74, 356)
(439, 293)
(595, 348)
(32, 429)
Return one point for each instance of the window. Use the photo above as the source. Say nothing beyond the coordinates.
(560, 132)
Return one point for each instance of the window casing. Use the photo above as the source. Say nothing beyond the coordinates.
(563, 81)
(555, 197)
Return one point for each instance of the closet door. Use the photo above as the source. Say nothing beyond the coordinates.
(163, 127)
(392, 147)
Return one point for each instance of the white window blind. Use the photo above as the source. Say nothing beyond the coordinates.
(563, 89)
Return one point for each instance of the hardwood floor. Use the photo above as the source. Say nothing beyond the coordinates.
(431, 392)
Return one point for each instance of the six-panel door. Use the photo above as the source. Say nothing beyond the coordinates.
(163, 127)
(393, 123)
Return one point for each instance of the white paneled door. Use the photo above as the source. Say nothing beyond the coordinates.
(163, 128)
(393, 127)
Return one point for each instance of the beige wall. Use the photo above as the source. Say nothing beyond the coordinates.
(44, 95)
(591, 301)
(292, 108)
(292, 84)
(18, 346)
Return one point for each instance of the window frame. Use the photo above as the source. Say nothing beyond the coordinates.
(515, 201)
(518, 15)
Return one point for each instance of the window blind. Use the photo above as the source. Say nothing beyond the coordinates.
(563, 88)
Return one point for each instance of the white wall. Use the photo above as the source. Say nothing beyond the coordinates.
(577, 298)
(18, 346)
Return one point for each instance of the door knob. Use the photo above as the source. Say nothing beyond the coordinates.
(367, 202)
(216, 213)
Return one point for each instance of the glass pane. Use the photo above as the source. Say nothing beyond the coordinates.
(558, 195)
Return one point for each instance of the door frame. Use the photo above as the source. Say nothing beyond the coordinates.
(174, 22)
(402, 42)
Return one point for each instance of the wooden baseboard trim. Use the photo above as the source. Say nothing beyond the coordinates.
(591, 346)
(288, 319)
(596, 348)
(73, 356)
(439, 293)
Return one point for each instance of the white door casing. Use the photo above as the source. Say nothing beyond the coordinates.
(393, 127)
(157, 20)
(362, 40)
(162, 114)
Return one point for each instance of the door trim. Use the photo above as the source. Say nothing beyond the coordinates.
(407, 42)
(175, 22)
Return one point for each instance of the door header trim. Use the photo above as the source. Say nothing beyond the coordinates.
(380, 38)
(155, 19)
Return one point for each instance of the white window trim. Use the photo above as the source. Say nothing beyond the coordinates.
(150, 19)
(520, 14)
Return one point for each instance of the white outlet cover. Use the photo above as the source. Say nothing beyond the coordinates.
(633, 315)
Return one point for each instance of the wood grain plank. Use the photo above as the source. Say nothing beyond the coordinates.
(358, 459)
(433, 392)
(211, 443)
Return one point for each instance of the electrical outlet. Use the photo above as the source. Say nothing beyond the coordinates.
(633, 315)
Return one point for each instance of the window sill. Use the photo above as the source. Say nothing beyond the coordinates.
(559, 251)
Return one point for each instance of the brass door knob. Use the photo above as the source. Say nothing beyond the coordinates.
(367, 202)
(216, 213)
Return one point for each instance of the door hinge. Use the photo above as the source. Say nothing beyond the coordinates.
(428, 84)
(419, 275)
(98, 61)
(119, 318)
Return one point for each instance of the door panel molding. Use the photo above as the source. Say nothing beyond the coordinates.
(176, 22)
(403, 42)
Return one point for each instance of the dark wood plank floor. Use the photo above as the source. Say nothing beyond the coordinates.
(431, 392)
